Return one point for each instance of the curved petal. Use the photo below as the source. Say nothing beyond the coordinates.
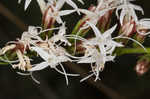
(41, 52)
(39, 66)
(27, 2)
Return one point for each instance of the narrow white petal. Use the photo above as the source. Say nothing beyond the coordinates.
(60, 4)
(41, 52)
(110, 31)
(59, 20)
(66, 12)
(19, 1)
(111, 50)
(86, 60)
(110, 58)
(42, 5)
(27, 2)
(87, 12)
(117, 44)
(95, 29)
(102, 49)
(136, 7)
(134, 15)
(117, 10)
(99, 4)
(122, 15)
(39, 66)
(81, 1)
(71, 3)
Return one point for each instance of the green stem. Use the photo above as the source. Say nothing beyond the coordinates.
(3, 63)
(121, 51)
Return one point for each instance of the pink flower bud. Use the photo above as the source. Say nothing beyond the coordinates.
(142, 67)
(105, 20)
(48, 20)
(128, 28)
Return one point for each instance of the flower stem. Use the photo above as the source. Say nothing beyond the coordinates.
(121, 51)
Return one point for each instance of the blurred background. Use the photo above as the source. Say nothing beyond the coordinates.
(118, 80)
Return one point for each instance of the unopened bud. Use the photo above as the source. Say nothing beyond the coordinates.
(47, 19)
(128, 28)
(142, 67)
(104, 21)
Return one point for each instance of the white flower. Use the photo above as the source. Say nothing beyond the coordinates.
(54, 12)
(20, 46)
(32, 33)
(104, 41)
(94, 14)
(128, 11)
(60, 36)
(52, 53)
(143, 26)
(52, 58)
(30, 37)
(24, 61)
(106, 46)
(19, 49)
(7, 48)
(93, 56)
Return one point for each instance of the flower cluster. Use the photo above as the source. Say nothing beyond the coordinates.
(54, 45)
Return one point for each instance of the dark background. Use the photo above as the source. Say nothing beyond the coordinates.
(119, 80)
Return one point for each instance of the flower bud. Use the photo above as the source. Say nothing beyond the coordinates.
(142, 66)
(104, 21)
(128, 28)
(47, 19)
